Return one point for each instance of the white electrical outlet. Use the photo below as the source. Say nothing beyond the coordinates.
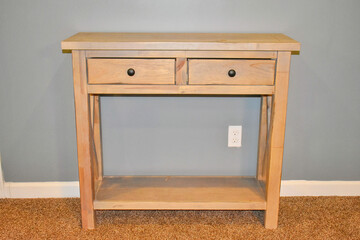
(234, 136)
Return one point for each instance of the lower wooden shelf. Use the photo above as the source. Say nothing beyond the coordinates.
(180, 192)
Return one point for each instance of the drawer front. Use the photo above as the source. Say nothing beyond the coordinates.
(232, 72)
(145, 71)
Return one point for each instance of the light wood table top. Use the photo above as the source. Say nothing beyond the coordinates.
(180, 41)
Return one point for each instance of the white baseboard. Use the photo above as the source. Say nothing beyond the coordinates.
(288, 188)
(2, 189)
(319, 188)
(41, 189)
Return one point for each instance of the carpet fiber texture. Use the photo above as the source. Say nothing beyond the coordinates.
(299, 218)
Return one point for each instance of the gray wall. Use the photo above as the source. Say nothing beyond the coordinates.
(37, 129)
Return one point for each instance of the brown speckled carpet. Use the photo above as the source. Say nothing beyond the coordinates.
(300, 218)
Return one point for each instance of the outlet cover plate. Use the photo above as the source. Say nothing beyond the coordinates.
(234, 136)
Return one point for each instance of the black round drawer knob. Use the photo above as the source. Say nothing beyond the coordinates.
(131, 72)
(231, 73)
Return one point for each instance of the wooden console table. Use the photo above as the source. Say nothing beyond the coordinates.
(180, 64)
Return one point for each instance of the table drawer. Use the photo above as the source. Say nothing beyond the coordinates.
(232, 72)
(131, 71)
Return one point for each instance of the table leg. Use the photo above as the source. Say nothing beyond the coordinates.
(83, 125)
(96, 140)
(276, 140)
(263, 132)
